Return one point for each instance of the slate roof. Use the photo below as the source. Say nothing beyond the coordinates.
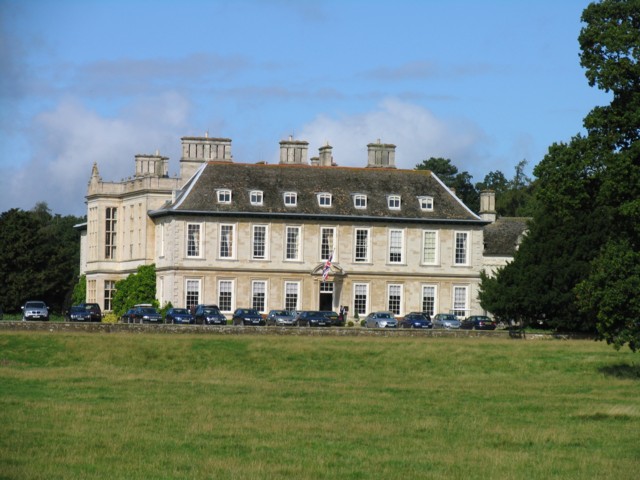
(199, 196)
(502, 237)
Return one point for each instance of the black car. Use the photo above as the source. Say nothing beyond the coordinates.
(179, 315)
(336, 320)
(146, 315)
(209, 315)
(127, 317)
(78, 314)
(94, 311)
(247, 316)
(312, 318)
(478, 322)
(416, 320)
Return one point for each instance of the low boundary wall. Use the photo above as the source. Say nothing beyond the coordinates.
(133, 328)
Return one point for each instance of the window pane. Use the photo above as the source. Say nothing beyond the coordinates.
(461, 248)
(395, 298)
(429, 300)
(225, 295)
(395, 246)
(362, 244)
(291, 296)
(259, 241)
(226, 241)
(258, 295)
(192, 293)
(361, 292)
(460, 301)
(429, 248)
(327, 242)
(193, 240)
(292, 250)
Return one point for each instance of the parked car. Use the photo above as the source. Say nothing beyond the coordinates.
(478, 322)
(127, 317)
(446, 320)
(313, 318)
(380, 320)
(146, 314)
(35, 310)
(94, 311)
(209, 315)
(179, 315)
(247, 316)
(281, 318)
(416, 320)
(334, 317)
(78, 314)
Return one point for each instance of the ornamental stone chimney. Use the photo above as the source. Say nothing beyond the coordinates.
(198, 150)
(382, 155)
(488, 205)
(293, 152)
(326, 158)
(152, 166)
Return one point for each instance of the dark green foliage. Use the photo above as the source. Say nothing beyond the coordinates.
(39, 257)
(579, 266)
(79, 294)
(139, 287)
(460, 182)
(514, 198)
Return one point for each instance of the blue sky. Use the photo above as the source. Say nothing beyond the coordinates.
(486, 84)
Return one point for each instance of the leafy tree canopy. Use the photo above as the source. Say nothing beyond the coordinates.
(139, 287)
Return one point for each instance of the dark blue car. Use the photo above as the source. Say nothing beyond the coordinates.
(312, 318)
(416, 320)
(179, 316)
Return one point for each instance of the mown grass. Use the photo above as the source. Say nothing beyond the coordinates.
(118, 406)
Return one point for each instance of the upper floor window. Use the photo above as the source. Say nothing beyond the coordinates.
(361, 245)
(255, 197)
(324, 199)
(360, 201)
(461, 252)
(110, 228)
(292, 247)
(430, 247)
(327, 242)
(393, 201)
(290, 199)
(224, 196)
(426, 203)
(396, 243)
(259, 242)
(227, 241)
(193, 239)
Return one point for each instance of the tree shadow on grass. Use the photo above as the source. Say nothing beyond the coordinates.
(622, 370)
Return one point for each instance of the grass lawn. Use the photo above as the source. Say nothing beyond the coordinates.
(156, 406)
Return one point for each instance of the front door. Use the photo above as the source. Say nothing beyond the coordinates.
(326, 296)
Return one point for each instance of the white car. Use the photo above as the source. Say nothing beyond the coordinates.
(35, 310)
(380, 320)
(446, 320)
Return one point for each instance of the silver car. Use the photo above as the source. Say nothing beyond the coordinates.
(35, 310)
(446, 320)
(380, 320)
(281, 318)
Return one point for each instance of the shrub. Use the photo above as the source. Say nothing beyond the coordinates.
(110, 318)
(350, 323)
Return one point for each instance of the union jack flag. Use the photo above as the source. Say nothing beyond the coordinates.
(327, 266)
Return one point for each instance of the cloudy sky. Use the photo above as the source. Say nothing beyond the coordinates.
(486, 84)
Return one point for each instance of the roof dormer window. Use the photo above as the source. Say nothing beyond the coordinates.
(256, 197)
(426, 203)
(360, 201)
(393, 202)
(290, 199)
(224, 196)
(324, 199)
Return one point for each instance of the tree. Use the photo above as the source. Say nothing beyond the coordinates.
(79, 294)
(39, 258)
(460, 182)
(514, 198)
(579, 261)
(139, 287)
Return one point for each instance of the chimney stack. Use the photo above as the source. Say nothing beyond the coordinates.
(293, 151)
(488, 205)
(381, 155)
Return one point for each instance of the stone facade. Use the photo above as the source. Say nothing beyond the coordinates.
(229, 234)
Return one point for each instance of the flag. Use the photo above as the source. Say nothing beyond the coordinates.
(327, 266)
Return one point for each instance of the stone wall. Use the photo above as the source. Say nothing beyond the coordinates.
(132, 328)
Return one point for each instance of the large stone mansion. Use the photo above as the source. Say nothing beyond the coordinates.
(260, 235)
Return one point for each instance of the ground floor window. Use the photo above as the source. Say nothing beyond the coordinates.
(258, 295)
(429, 299)
(394, 298)
(225, 295)
(291, 295)
(460, 296)
(360, 298)
(192, 293)
(109, 291)
(91, 291)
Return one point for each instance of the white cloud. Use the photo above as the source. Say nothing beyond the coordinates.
(71, 137)
(417, 133)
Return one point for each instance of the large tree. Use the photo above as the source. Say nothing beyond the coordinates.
(587, 212)
(39, 257)
(459, 182)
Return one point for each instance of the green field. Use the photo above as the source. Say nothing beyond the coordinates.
(151, 406)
